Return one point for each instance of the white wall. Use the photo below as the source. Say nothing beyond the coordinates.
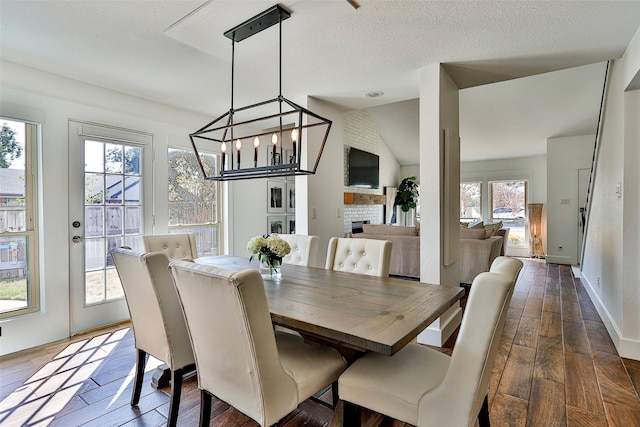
(631, 227)
(608, 271)
(324, 197)
(32, 95)
(532, 169)
(564, 157)
(413, 170)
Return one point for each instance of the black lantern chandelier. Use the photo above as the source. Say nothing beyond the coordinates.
(274, 133)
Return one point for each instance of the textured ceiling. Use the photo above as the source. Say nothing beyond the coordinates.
(173, 52)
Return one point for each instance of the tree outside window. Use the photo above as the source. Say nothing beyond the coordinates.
(470, 201)
(193, 200)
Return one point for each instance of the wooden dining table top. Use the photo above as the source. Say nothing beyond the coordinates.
(359, 312)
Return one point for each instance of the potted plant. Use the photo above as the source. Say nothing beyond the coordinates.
(407, 197)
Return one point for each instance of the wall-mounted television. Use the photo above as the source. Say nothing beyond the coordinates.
(364, 169)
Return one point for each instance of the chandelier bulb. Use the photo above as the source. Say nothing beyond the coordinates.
(274, 139)
(223, 147)
(294, 134)
(256, 142)
(238, 144)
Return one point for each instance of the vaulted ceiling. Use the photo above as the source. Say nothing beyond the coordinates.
(173, 52)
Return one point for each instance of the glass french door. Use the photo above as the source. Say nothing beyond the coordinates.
(106, 206)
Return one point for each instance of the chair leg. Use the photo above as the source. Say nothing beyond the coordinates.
(205, 408)
(176, 390)
(483, 416)
(141, 361)
(334, 394)
(351, 415)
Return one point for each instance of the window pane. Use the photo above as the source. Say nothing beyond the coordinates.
(132, 190)
(113, 157)
(93, 189)
(508, 205)
(94, 287)
(19, 285)
(14, 286)
(93, 157)
(132, 160)
(115, 192)
(94, 256)
(93, 221)
(192, 199)
(132, 220)
(114, 220)
(470, 200)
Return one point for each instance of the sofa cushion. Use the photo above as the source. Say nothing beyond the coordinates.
(471, 233)
(387, 229)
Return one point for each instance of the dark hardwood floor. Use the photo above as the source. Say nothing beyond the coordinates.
(556, 367)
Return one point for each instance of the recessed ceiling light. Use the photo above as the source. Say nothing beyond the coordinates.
(374, 94)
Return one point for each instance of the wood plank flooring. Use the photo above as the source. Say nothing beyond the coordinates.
(556, 366)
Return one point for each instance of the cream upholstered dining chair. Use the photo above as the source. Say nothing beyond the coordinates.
(158, 325)
(239, 358)
(424, 387)
(363, 256)
(304, 249)
(175, 246)
(507, 266)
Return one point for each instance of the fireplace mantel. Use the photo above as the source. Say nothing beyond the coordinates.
(363, 199)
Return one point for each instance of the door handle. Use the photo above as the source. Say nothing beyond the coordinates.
(76, 239)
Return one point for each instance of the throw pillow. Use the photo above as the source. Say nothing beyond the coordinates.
(491, 229)
(476, 225)
(472, 233)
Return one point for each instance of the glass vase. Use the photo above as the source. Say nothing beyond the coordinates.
(270, 270)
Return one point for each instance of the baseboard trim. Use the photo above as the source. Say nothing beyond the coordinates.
(439, 331)
(553, 259)
(626, 347)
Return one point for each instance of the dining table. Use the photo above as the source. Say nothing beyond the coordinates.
(355, 313)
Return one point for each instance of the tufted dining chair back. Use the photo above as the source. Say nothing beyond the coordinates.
(174, 246)
(477, 344)
(304, 249)
(159, 328)
(240, 359)
(363, 256)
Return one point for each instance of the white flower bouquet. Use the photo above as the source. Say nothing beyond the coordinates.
(270, 249)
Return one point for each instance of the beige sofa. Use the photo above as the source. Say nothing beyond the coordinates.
(405, 247)
(476, 252)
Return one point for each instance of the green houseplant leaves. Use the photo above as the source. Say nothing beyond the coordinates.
(407, 195)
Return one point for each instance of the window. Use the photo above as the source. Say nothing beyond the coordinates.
(112, 213)
(193, 201)
(19, 284)
(470, 201)
(508, 201)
